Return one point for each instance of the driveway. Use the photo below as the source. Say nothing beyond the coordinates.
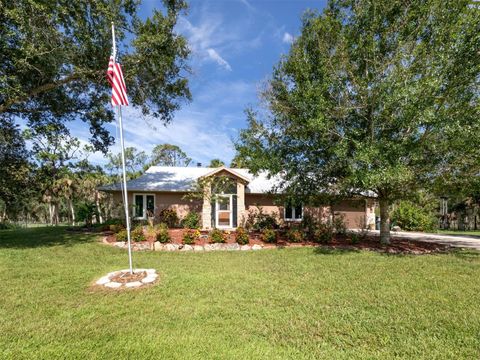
(460, 241)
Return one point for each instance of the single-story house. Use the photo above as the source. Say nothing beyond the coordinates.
(164, 187)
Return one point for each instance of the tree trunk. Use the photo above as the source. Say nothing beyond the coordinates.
(99, 212)
(72, 211)
(55, 213)
(384, 221)
(50, 211)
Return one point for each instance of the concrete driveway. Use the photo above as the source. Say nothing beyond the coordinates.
(460, 241)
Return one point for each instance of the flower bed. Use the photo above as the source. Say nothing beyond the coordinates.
(201, 240)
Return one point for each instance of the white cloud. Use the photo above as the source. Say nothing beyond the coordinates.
(206, 39)
(215, 56)
(247, 4)
(288, 38)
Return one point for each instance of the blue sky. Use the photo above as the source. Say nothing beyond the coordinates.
(235, 44)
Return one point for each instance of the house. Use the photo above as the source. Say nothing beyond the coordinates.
(168, 188)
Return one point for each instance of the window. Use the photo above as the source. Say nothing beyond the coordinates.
(293, 213)
(144, 205)
(224, 213)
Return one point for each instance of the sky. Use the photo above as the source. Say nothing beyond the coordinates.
(235, 45)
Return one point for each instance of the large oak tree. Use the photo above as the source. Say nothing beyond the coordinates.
(54, 55)
(374, 96)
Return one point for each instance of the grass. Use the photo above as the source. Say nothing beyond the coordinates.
(271, 304)
(459, 232)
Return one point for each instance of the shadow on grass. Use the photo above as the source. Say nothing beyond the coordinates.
(320, 250)
(42, 237)
(466, 254)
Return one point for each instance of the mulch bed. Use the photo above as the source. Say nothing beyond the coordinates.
(127, 277)
(371, 243)
(396, 246)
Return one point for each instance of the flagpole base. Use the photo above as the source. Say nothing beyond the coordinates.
(123, 279)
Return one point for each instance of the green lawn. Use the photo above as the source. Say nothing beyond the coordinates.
(459, 232)
(270, 304)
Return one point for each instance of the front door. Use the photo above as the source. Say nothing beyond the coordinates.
(223, 206)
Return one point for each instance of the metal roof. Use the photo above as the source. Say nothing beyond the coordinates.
(184, 179)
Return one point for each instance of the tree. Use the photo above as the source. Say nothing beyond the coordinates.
(135, 163)
(374, 97)
(16, 169)
(216, 163)
(239, 161)
(54, 55)
(54, 150)
(169, 155)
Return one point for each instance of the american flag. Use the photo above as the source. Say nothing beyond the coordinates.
(115, 78)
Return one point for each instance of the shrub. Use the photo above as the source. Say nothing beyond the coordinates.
(295, 235)
(115, 221)
(354, 238)
(309, 225)
(86, 211)
(324, 233)
(137, 234)
(191, 220)
(338, 224)
(190, 235)
(268, 235)
(258, 220)
(162, 233)
(218, 236)
(241, 236)
(122, 235)
(116, 227)
(151, 233)
(169, 217)
(412, 217)
(138, 222)
(8, 226)
(265, 221)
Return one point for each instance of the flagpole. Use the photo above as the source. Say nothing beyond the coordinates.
(122, 145)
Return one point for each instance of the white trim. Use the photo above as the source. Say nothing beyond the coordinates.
(229, 170)
(230, 225)
(293, 218)
(144, 210)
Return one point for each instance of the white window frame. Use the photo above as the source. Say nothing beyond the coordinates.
(293, 214)
(217, 205)
(144, 210)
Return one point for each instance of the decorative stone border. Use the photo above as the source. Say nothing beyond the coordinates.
(108, 283)
(157, 246)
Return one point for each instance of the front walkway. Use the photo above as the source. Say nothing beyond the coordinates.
(460, 241)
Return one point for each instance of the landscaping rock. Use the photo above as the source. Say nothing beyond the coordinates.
(149, 279)
(141, 246)
(245, 247)
(198, 248)
(120, 244)
(133, 284)
(233, 246)
(103, 280)
(218, 246)
(256, 247)
(396, 228)
(187, 247)
(171, 247)
(157, 246)
(208, 247)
